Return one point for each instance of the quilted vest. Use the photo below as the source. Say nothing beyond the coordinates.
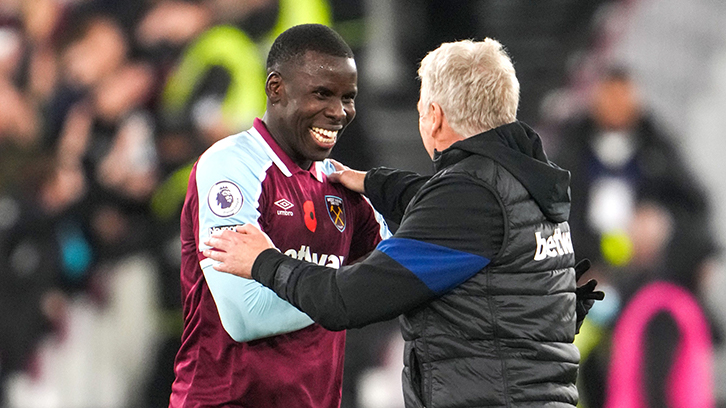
(504, 337)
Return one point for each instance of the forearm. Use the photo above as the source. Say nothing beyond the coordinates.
(398, 276)
(391, 190)
(248, 311)
(353, 296)
(281, 273)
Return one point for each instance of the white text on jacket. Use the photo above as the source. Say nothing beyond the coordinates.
(557, 244)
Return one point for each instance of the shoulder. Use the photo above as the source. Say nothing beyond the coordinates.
(239, 162)
(462, 188)
(244, 147)
(474, 169)
(243, 156)
(326, 166)
(461, 183)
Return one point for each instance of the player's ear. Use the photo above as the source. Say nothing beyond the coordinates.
(274, 87)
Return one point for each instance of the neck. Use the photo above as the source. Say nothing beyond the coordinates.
(446, 138)
(276, 132)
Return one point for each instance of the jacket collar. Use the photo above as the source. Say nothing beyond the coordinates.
(517, 148)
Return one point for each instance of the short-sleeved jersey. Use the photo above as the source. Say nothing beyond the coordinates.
(247, 178)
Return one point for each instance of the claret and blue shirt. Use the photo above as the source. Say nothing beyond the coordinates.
(241, 344)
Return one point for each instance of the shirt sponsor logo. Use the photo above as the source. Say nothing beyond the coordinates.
(219, 228)
(336, 211)
(225, 199)
(285, 205)
(304, 254)
(557, 244)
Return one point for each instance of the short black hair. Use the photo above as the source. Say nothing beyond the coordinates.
(297, 40)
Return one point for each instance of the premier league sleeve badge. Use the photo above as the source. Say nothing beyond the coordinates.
(225, 199)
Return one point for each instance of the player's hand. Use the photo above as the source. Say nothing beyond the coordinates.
(351, 179)
(586, 294)
(237, 250)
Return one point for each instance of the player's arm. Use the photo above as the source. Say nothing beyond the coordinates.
(247, 310)
(428, 256)
(391, 190)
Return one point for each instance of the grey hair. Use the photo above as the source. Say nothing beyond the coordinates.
(474, 82)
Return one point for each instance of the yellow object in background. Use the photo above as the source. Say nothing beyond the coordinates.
(616, 248)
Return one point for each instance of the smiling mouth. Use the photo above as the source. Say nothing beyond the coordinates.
(324, 136)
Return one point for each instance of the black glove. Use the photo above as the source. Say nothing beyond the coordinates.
(586, 294)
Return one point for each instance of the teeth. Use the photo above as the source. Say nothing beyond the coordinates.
(324, 135)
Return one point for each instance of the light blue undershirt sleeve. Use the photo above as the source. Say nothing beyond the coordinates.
(229, 183)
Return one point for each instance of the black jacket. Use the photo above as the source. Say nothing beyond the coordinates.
(480, 268)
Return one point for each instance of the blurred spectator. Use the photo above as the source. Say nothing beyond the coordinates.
(662, 333)
(74, 199)
(642, 218)
(107, 133)
(40, 253)
(613, 151)
(36, 245)
(161, 36)
(661, 352)
(18, 118)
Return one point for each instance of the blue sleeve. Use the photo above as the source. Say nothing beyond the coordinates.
(229, 183)
(440, 268)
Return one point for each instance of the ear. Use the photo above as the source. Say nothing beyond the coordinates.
(437, 118)
(274, 87)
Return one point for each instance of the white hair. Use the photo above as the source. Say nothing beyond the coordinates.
(474, 83)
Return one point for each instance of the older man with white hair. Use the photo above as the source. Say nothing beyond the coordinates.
(482, 267)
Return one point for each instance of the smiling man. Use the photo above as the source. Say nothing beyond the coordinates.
(242, 345)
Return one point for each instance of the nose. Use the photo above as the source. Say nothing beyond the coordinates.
(336, 110)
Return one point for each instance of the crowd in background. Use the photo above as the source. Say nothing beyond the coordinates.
(104, 106)
(642, 217)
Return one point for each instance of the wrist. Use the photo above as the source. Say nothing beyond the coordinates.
(265, 265)
(366, 182)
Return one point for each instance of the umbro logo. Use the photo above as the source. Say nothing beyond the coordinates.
(285, 205)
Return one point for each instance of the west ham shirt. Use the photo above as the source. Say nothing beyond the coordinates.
(242, 345)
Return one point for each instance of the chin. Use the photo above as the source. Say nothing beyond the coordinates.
(322, 156)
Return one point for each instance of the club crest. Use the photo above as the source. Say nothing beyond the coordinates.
(336, 211)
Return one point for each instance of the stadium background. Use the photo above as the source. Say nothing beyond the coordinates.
(104, 104)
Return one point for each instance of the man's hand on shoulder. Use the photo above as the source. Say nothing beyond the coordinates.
(237, 250)
(352, 179)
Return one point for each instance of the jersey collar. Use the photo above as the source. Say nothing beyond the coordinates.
(284, 162)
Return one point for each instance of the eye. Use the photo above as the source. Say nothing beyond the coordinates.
(322, 93)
